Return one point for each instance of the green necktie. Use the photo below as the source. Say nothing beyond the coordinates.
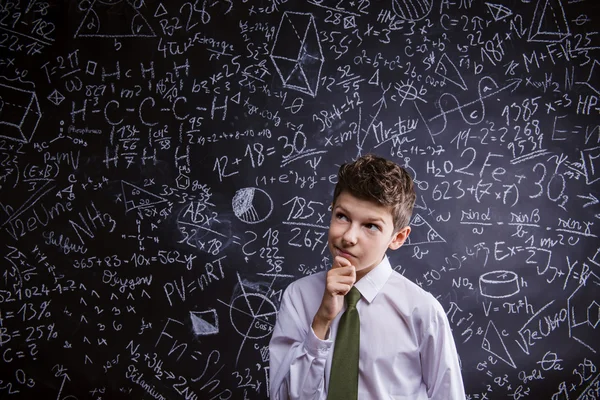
(343, 380)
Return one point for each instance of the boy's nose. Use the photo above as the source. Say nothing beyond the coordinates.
(350, 236)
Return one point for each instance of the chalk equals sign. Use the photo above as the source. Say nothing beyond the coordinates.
(270, 151)
(236, 239)
(354, 78)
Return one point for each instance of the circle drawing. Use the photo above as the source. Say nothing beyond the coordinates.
(252, 205)
(412, 10)
(249, 317)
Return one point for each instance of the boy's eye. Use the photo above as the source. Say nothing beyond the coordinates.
(341, 216)
(373, 227)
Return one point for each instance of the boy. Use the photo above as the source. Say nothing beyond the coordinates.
(398, 343)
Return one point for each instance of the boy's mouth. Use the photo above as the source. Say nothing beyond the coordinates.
(344, 253)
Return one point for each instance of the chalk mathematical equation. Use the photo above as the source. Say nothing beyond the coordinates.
(167, 169)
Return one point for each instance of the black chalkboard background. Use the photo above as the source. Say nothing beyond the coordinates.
(166, 170)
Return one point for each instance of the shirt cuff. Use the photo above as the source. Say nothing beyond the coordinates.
(316, 347)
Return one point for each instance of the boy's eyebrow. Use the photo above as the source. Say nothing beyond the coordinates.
(376, 219)
(370, 219)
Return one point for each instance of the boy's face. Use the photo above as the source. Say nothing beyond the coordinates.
(361, 231)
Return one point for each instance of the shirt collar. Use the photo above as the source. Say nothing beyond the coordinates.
(372, 283)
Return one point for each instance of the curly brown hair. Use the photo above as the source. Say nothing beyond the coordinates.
(377, 179)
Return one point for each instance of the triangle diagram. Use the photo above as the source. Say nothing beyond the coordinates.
(6, 211)
(136, 197)
(236, 99)
(311, 45)
(422, 206)
(201, 326)
(285, 67)
(118, 19)
(549, 22)
(297, 80)
(447, 70)
(299, 22)
(493, 343)
(312, 73)
(499, 11)
(160, 11)
(297, 52)
(288, 42)
(422, 233)
(45, 186)
(375, 78)
(590, 159)
(593, 77)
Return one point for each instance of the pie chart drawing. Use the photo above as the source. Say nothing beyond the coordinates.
(412, 10)
(252, 205)
(253, 315)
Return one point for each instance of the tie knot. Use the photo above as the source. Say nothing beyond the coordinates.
(352, 297)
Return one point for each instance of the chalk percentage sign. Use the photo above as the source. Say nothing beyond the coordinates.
(51, 333)
(43, 312)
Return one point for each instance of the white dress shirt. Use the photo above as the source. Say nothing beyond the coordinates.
(406, 347)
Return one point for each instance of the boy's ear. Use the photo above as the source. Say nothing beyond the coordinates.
(399, 238)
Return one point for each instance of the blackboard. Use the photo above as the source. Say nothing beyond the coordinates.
(167, 167)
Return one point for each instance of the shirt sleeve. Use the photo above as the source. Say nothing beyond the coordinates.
(296, 355)
(439, 360)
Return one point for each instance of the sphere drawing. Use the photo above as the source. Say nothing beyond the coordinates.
(252, 205)
(412, 10)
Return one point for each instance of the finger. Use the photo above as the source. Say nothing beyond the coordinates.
(340, 261)
(345, 279)
(349, 270)
(338, 288)
(353, 272)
